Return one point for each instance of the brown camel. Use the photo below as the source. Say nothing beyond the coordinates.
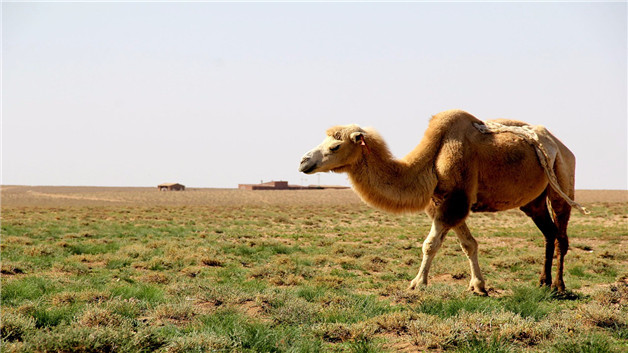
(462, 164)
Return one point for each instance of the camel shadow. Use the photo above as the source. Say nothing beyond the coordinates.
(568, 295)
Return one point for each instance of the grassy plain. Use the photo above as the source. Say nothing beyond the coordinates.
(137, 270)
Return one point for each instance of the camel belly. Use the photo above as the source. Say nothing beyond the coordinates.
(507, 195)
(489, 202)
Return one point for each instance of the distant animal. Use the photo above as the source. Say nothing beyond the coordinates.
(462, 164)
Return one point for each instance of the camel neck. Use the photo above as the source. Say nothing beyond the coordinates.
(391, 184)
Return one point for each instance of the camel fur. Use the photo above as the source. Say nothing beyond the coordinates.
(462, 164)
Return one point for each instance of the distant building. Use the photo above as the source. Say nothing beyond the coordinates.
(171, 187)
(283, 185)
(273, 185)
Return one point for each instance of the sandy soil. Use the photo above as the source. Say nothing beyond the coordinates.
(59, 196)
(589, 196)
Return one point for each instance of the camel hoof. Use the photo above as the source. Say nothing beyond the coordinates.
(415, 284)
(478, 291)
(545, 283)
(482, 293)
(477, 287)
(559, 288)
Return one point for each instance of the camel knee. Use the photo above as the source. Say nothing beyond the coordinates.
(469, 246)
(431, 247)
(434, 240)
(467, 242)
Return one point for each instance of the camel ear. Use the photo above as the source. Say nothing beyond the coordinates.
(357, 137)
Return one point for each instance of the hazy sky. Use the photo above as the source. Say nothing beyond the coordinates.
(216, 94)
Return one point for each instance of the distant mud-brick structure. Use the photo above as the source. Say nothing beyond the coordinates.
(272, 185)
(283, 185)
(171, 187)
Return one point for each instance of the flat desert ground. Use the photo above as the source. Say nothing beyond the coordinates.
(103, 269)
(55, 196)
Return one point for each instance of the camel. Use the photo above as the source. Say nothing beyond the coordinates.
(461, 165)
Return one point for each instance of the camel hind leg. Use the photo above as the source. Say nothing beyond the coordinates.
(561, 202)
(554, 227)
(539, 212)
(561, 212)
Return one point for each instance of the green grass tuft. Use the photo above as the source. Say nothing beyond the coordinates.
(92, 249)
(143, 292)
(27, 288)
(533, 302)
(593, 343)
(76, 339)
(245, 335)
(310, 293)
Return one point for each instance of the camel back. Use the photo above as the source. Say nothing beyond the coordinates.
(528, 134)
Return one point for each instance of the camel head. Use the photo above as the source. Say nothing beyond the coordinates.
(341, 148)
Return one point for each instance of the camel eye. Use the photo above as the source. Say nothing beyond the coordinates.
(335, 148)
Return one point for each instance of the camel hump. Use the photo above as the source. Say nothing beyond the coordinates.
(450, 118)
(454, 115)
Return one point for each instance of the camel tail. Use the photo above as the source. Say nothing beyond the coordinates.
(551, 176)
(530, 135)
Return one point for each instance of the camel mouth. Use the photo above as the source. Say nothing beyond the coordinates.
(307, 167)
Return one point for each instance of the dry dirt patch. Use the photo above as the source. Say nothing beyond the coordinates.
(62, 196)
(589, 196)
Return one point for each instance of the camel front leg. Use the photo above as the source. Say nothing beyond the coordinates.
(430, 246)
(470, 247)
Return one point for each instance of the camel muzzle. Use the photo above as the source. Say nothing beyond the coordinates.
(307, 165)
